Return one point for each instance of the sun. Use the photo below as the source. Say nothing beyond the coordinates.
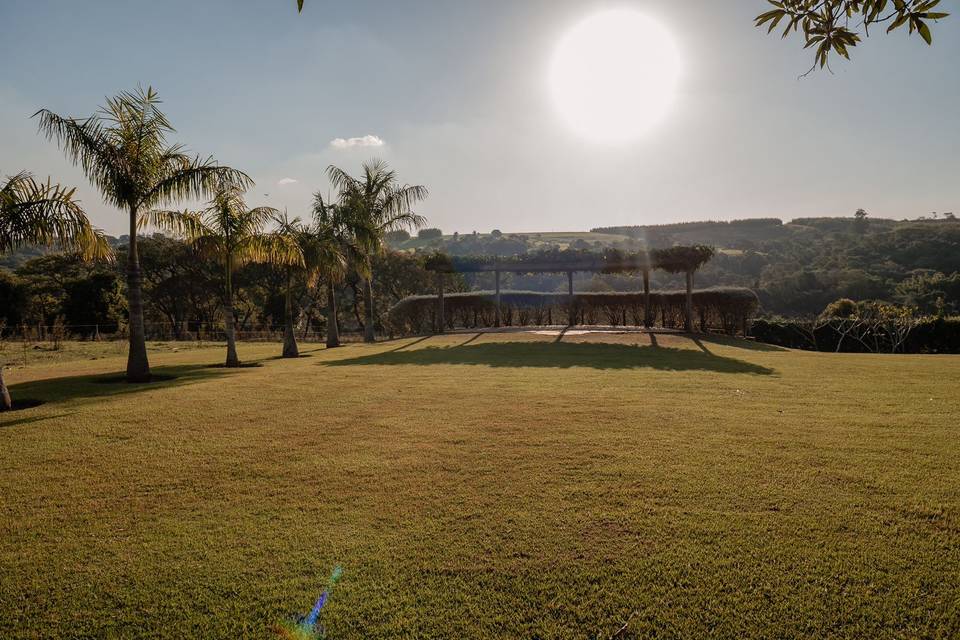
(614, 75)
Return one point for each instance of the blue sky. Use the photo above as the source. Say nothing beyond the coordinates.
(457, 92)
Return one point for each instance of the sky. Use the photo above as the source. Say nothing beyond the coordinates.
(455, 96)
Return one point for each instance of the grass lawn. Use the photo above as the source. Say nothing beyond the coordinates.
(485, 486)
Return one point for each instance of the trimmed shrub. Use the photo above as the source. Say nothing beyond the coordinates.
(723, 309)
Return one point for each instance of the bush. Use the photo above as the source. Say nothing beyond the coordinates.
(842, 308)
(723, 309)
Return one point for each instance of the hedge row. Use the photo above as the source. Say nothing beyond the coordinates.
(725, 309)
(925, 335)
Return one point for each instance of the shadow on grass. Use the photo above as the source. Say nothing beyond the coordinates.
(740, 343)
(561, 355)
(410, 344)
(54, 390)
(247, 364)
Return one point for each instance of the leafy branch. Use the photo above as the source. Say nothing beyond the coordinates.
(833, 26)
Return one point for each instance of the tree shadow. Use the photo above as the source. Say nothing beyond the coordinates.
(6, 424)
(471, 339)
(561, 355)
(740, 343)
(54, 390)
(411, 343)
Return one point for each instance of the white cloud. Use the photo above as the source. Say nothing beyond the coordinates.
(285, 181)
(349, 143)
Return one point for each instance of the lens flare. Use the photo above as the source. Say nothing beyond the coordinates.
(305, 628)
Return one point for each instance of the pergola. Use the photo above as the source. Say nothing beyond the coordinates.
(579, 262)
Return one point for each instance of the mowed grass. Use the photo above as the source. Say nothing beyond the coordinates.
(487, 486)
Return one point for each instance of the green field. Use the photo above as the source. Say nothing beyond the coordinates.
(485, 486)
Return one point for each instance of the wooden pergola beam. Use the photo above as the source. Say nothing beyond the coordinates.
(542, 267)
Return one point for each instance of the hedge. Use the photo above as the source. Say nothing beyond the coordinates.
(726, 309)
(926, 335)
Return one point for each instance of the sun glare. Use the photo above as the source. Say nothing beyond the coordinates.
(613, 76)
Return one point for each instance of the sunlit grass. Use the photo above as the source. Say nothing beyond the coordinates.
(473, 490)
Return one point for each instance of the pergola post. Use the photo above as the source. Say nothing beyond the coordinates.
(647, 311)
(573, 312)
(441, 320)
(497, 278)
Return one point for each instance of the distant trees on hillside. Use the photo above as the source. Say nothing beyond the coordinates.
(397, 236)
(796, 269)
(429, 234)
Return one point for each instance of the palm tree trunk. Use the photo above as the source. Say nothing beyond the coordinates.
(228, 320)
(307, 319)
(368, 333)
(688, 312)
(356, 305)
(289, 339)
(333, 330)
(138, 366)
(6, 404)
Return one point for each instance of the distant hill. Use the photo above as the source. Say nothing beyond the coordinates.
(745, 234)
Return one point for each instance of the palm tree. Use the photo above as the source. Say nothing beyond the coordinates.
(324, 250)
(226, 230)
(293, 231)
(380, 205)
(123, 151)
(37, 213)
(334, 232)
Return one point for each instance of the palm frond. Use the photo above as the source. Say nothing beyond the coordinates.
(340, 179)
(187, 224)
(122, 148)
(258, 217)
(85, 143)
(269, 248)
(199, 179)
(37, 213)
(209, 246)
(396, 208)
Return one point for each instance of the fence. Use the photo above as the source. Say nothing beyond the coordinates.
(162, 331)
